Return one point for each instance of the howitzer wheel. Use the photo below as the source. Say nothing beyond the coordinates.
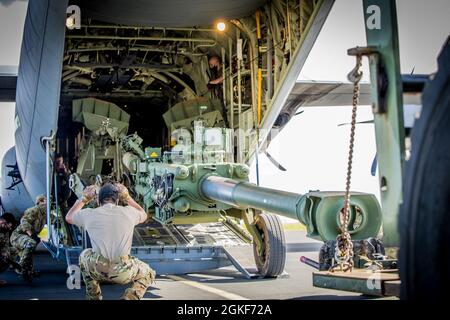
(270, 262)
(424, 257)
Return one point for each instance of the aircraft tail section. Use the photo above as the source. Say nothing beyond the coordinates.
(38, 88)
(13, 194)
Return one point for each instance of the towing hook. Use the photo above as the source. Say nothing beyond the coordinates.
(362, 51)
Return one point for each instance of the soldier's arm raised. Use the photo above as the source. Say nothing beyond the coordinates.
(77, 206)
(142, 213)
(125, 197)
(135, 205)
(88, 195)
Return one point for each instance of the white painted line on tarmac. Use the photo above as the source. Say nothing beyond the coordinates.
(222, 293)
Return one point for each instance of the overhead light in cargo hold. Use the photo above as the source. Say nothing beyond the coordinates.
(221, 26)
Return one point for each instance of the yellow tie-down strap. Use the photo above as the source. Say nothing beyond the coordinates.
(44, 234)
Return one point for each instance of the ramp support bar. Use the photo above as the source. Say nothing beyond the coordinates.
(47, 140)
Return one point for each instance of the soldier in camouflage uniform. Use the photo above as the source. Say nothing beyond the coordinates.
(96, 269)
(110, 228)
(25, 238)
(7, 225)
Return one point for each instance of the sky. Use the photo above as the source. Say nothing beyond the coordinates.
(12, 18)
(312, 146)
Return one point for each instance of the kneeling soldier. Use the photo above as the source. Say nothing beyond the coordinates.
(110, 228)
(25, 238)
(7, 225)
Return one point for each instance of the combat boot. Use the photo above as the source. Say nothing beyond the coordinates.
(27, 270)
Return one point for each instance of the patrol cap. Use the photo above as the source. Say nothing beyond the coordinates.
(40, 198)
(108, 191)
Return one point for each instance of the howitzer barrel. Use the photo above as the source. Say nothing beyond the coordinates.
(319, 211)
(247, 195)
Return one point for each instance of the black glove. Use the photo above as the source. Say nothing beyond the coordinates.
(35, 237)
(210, 86)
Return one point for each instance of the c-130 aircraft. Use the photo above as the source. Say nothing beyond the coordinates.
(175, 99)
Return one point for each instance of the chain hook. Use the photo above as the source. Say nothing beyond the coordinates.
(343, 253)
(355, 75)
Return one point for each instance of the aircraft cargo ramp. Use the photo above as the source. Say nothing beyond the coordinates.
(179, 249)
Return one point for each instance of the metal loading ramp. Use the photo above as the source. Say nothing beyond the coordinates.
(180, 249)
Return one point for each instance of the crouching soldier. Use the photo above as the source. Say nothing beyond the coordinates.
(110, 228)
(7, 225)
(25, 238)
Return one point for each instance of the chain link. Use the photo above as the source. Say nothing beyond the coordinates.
(343, 254)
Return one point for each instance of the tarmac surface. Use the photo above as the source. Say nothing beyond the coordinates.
(219, 284)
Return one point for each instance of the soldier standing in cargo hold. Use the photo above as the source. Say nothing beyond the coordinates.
(216, 77)
(110, 228)
(25, 238)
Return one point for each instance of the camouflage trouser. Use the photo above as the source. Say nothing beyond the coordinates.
(25, 247)
(12, 255)
(97, 269)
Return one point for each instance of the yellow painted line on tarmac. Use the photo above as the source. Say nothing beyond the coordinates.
(222, 293)
(294, 227)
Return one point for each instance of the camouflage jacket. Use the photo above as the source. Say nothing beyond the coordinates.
(33, 219)
(4, 244)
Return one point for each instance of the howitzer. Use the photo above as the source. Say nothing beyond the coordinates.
(199, 188)
(197, 182)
